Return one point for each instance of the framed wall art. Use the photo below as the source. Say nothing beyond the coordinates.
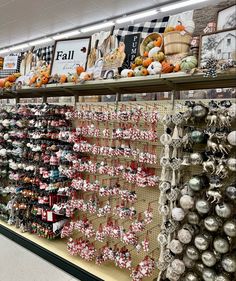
(220, 45)
(226, 18)
(68, 54)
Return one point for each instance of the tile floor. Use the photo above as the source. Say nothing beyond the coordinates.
(19, 264)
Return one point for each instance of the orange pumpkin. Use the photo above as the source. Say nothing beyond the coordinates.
(145, 54)
(87, 77)
(158, 42)
(11, 78)
(33, 80)
(179, 27)
(8, 84)
(44, 80)
(176, 68)
(147, 62)
(167, 67)
(79, 69)
(133, 65)
(63, 78)
(2, 82)
(130, 74)
(144, 72)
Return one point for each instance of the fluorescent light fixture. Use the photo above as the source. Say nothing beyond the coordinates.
(180, 5)
(97, 26)
(40, 41)
(66, 35)
(19, 47)
(3, 51)
(136, 16)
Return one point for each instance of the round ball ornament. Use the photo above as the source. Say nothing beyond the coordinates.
(184, 236)
(197, 136)
(196, 158)
(199, 111)
(178, 214)
(188, 262)
(193, 218)
(231, 192)
(199, 266)
(231, 164)
(202, 206)
(232, 138)
(175, 246)
(208, 274)
(192, 253)
(211, 224)
(229, 264)
(178, 266)
(191, 276)
(221, 245)
(223, 210)
(186, 202)
(230, 228)
(222, 277)
(232, 110)
(195, 183)
(201, 242)
(208, 258)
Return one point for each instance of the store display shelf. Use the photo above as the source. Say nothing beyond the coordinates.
(55, 253)
(164, 82)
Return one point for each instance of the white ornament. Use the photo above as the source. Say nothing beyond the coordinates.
(178, 266)
(186, 202)
(175, 246)
(178, 214)
(232, 138)
(184, 236)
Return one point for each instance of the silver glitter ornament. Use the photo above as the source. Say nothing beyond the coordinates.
(178, 266)
(184, 236)
(229, 263)
(223, 210)
(186, 202)
(231, 192)
(195, 183)
(193, 218)
(199, 111)
(208, 258)
(202, 206)
(232, 138)
(191, 276)
(197, 136)
(211, 224)
(192, 253)
(221, 245)
(231, 164)
(230, 228)
(188, 262)
(208, 274)
(175, 246)
(222, 277)
(201, 242)
(196, 158)
(199, 266)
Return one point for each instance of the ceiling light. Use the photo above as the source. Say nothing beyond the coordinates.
(3, 51)
(66, 35)
(180, 5)
(40, 41)
(136, 16)
(19, 47)
(97, 26)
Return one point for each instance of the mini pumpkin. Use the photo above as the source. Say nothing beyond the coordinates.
(72, 77)
(188, 63)
(11, 78)
(144, 72)
(145, 54)
(33, 80)
(138, 70)
(2, 82)
(79, 69)
(176, 68)
(160, 56)
(158, 42)
(167, 67)
(154, 68)
(154, 51)
(63, 78)
(133, 65)
(147, 62)
(85, 76)
(138, 60)
(179, 27)
(127, 73)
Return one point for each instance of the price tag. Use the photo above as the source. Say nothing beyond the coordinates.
(166, 95)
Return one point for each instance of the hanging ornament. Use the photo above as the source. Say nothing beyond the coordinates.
(199, 111)
(208, 274)
(223, 210)
(231, 163)
(230, 228)
(178, 214)
(211, 224)
(186, 202)
(190, 276)
(193, 218)
(175, 246)
(202, 206)
(208, 258)
(196, 158)
(229, 263)
(188, 262)
(221, 245)
(201, 242)
(195, 183)
(231, 192)
(222, 277)
(178, 266)
(232, 138)
(197, 136)
(192, 253)
(184, 236)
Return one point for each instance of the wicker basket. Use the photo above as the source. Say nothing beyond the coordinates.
(149, 38)
(175, 42)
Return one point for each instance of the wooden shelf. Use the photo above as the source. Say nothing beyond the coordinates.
(157, 83)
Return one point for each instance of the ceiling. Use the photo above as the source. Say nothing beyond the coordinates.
(26, 20)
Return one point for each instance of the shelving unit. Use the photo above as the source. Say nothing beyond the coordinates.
(54, 251)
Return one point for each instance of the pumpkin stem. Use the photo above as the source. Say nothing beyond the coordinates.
(180, 22)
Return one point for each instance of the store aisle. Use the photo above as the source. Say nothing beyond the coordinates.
(19, 264)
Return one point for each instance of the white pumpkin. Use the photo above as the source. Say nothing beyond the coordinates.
(189, 26)
(154, 68)
(125, 72)
(153, 51)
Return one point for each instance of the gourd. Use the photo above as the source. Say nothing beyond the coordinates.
(154, 68)
(144, 72)
(138, 60)
(159, 56)
(158, 42)
(167, 67)
(176, 68)
(72, 77)
(127, 73)
(138, 70)
(79, 69)
(153, 51)
(188, 63)
(2, 82)
(147, 62)
(63, 78)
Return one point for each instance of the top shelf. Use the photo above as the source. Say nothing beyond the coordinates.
(157, 83)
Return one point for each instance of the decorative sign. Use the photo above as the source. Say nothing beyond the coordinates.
(10, 62)
(132, 42)
(68, 54)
